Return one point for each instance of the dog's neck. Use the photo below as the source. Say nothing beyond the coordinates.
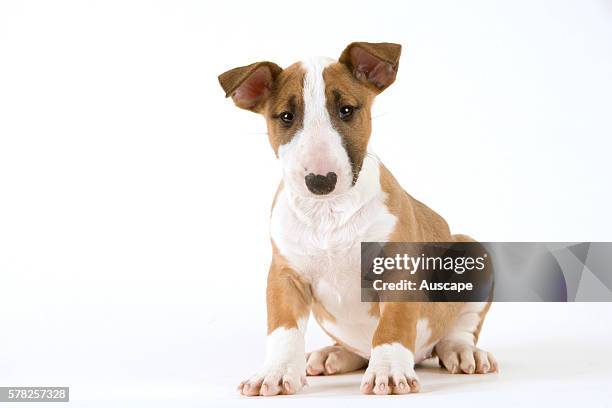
(338, 210)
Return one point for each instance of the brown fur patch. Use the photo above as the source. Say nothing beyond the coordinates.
(288, 296)
(286, 96)
(343, 89)
(415, 221)
(398, 321)
(374, 309)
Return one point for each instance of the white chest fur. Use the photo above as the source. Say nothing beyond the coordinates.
(321, 240)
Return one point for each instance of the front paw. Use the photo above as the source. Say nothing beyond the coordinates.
(390, 371)
(280, 379)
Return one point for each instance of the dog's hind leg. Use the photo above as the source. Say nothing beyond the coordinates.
(333, 360)
(457, 351)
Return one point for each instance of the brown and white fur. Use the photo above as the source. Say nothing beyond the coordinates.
(334, 195)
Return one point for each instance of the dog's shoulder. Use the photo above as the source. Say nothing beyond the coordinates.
(415, 221)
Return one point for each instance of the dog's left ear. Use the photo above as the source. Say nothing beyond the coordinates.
(375, 64)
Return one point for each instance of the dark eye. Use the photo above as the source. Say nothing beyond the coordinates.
(346, 112)
(286, 117)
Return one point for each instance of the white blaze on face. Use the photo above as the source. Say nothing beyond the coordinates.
(316, 148)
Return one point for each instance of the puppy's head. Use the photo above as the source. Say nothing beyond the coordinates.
(317, 112)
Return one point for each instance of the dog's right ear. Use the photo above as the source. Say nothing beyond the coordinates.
(249, 86)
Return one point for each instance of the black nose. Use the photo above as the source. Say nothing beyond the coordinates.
(319, 184)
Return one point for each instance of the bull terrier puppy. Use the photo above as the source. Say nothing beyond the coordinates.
(334, 195)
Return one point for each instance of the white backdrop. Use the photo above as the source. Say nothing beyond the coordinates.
(134, 199)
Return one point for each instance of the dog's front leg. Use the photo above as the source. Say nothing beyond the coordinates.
(284, 369)
(391, 366)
